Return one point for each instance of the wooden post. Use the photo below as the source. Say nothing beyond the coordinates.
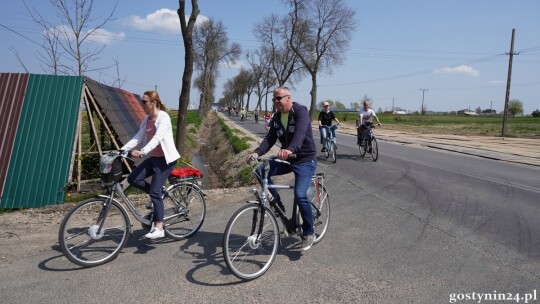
(91, 121)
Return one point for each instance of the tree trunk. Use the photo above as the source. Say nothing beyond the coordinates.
(183, 102)
(313, 94)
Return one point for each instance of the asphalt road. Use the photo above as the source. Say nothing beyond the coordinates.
(417, 226)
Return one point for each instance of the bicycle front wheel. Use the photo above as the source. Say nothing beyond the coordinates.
(362, 147)
(81, 239)
(185, 210)
(320, 206)
(250, 243)
(334, 156)
(374, 149)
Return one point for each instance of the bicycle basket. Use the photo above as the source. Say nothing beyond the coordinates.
(110, 169)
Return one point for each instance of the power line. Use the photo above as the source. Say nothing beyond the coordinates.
(11, 30)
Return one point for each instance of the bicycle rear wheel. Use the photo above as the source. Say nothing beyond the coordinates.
(185, 210)
(374, 149)
(333, 152)
(80, 238)
(320, 206)
(248, 253)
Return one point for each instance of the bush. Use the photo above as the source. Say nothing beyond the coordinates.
(536, 113)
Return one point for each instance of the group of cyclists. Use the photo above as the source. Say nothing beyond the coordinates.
(326, 118)
(290, 124)
(363, 122)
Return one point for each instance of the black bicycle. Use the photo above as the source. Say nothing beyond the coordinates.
(368, 142)
(252, 236)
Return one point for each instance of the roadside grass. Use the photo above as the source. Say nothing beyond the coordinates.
(522, 127)
(239, 143)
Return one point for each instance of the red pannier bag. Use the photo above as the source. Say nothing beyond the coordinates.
(186, 172)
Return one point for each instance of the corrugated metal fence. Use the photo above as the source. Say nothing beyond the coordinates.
(38, 126)
(39, 161)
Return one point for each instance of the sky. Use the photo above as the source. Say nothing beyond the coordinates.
(452, 54)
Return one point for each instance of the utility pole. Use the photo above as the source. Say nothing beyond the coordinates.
(505, 114)
(423, 92)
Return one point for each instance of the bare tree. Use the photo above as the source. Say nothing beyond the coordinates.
(205, 85)
(16, 53)
(211, 46)
(183, 102)
(66, 46)
(118, 82)
(273, 33)
(244, 86)
(261, 71)
(320, 35)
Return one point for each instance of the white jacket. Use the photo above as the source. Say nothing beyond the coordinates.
(163, 136)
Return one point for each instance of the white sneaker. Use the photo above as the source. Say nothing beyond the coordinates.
(308, 242)
(155, 234)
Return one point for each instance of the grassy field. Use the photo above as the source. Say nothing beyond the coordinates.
(524, 127)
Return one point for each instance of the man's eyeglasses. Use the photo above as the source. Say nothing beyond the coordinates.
(326, 106)
(279, 98)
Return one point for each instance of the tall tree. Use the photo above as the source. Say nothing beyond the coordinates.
(183, 102)
(273, 34)
(211, 46)
(263, 79)
(66, 46)
(321, 31)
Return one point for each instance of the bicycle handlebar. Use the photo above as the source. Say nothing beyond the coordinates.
(263, 159)
(122, 153)
(328, 127)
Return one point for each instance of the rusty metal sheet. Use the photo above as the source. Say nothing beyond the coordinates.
(12, 91)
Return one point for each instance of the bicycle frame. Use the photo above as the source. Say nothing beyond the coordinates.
(330, 138)
(264, 201)
(263, 195)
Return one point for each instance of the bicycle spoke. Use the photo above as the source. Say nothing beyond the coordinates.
(249, 255)
(79, 239)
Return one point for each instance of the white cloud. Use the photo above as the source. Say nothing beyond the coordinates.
(105, 37)
(163, 20)
(462, 69)
(98, 36)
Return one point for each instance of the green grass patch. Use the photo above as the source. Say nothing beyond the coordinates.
(245, 175)
(525, 127)
(239, 144)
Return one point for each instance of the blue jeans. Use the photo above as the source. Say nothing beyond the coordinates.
(158, 168)
(324, 130)
(302, 176)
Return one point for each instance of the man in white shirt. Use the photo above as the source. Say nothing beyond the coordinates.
(365, 115)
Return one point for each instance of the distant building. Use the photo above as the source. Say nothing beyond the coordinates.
(399, 112)
(467, 112)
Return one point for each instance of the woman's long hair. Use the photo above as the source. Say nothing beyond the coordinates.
(155, 96)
